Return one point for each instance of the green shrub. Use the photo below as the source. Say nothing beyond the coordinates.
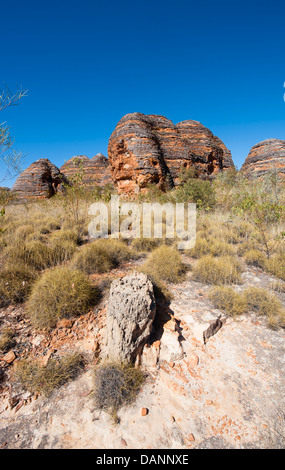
(60, 293)
(6, 338)
(223, 270)
(44, 379)
(116, 385)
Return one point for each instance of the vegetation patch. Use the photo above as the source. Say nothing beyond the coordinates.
(7, 338)
(61, 292)
(101, 256)
(227, 299)
(253, 299)
(165, 263)
(265, 303)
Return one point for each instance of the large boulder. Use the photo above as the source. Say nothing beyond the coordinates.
(151, 149)
(94, 171)
(41, 180)
(130, 314)
(266, 156)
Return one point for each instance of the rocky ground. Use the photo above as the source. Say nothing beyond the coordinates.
(213, 382)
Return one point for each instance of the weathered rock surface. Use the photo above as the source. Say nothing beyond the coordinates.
(42, 179)
(265, 156)
(151, 149)
(223, 394)
(130, 314)
(94, 171)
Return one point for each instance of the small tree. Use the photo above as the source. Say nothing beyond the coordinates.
(10, 159)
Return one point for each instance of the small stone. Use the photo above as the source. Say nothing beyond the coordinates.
(9, 357)
(123, 442)
(191, 437)
(144, 411)
(209, 402)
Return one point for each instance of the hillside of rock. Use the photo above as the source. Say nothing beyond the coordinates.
(151, 149)
(94, 171)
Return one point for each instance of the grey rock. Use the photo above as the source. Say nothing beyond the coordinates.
(130, 314)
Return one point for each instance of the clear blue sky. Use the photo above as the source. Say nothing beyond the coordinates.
(87, 63)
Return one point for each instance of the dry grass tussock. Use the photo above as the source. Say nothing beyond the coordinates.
(39, 379)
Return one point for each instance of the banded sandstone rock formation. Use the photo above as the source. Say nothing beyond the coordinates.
(265, 156)
(95, 171)
(41, 180)
(151, 149)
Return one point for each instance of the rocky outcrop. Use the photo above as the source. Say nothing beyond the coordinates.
(265, 156)
(94, 171)
(151, 149)
(130, 314)
(41, 180)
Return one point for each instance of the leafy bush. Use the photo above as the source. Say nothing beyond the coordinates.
(116, 385)
(223, 270)
(60, 293)
(44, 379)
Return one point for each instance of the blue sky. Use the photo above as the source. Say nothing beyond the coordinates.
(87, 63)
